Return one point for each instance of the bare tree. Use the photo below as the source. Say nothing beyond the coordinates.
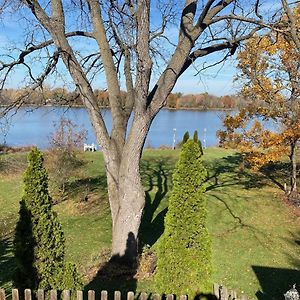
(127, 47)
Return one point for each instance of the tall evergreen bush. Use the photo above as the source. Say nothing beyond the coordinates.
(185, 138)
(39, 242)
(184, 251)
(196, 140)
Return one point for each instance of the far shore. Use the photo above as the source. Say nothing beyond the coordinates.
(107, 107)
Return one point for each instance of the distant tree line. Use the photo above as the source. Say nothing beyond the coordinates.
(204, 101)
(61, 96)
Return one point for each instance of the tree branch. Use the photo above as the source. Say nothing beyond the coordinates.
(292, 21)
(204, 13)
(40, 46)
(119, 122)
(39, 13)
(144, 62)
(246, 20)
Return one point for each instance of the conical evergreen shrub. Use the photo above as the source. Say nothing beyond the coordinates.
(39, 242)
(184, 251)
(185, 138)
(196, 140)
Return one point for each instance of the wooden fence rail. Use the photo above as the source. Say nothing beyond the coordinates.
(220, 293)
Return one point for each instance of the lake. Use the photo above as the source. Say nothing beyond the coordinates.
(34, 126)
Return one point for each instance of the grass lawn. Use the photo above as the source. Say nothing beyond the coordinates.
(256, 236)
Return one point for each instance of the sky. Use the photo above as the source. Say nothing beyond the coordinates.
(216, 80)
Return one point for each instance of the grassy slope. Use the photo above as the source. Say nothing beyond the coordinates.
(255, 235)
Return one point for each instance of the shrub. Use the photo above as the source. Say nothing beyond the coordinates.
(39, 240)
(185, 138)
(196, 140)
(63, 159)
(184, 251)
(70, 278)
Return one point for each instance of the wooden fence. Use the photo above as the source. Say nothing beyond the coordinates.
(220, 293)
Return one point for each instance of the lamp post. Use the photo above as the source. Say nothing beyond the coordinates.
(204, 139)
(174, 138)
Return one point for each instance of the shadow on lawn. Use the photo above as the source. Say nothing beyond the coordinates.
(116, 275)
(232, 170)
(275, 282)
(7, 262)
(157, 175)
(84, 186)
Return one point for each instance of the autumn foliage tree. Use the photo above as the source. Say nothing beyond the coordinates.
(270, 69)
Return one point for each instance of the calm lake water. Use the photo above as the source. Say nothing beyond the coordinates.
(34, 126)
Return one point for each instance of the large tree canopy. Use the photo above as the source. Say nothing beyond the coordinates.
(124, 40)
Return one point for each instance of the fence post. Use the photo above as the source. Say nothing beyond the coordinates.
(156, 297)
(91, 295)
(27, 294)
(144, 296)
(117, 295)
(230, 292)
(40, 294)
(234, 295)
(183, 297)
(103, 295)
(170, 297)
(130, 296)
(216, 290)
(15, 294)
(53, 295)
(243, 297)
(223, 293)
(2, 294)
(66, 294)
(79, 295)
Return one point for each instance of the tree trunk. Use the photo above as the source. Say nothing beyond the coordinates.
(127, 200)
(126, 193)
(293, 161)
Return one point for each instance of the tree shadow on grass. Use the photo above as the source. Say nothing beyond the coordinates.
(157, 175)
(7, 263)
(115, 275)
(277, 172)
(275, 282)
(232, 171)
(83, 187)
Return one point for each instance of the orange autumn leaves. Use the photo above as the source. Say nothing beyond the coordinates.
(270, 71)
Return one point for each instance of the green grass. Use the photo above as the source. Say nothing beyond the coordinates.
(255, 234)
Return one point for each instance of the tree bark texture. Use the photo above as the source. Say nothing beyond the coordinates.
(126, 193)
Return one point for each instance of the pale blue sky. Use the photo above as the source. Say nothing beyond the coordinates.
(217, 80)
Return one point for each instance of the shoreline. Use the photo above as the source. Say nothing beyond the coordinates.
(108, 108)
